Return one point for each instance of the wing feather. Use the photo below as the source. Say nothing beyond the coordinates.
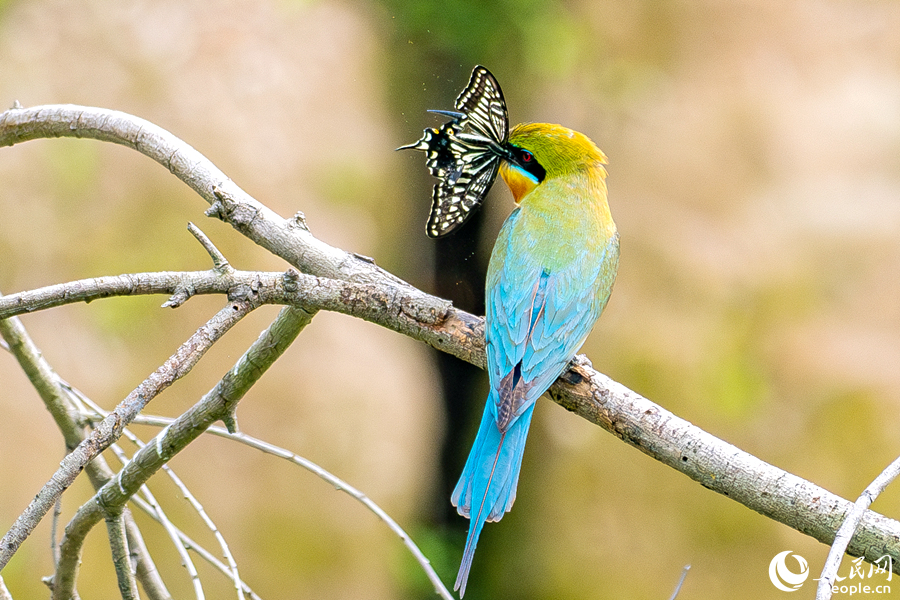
(538, 320)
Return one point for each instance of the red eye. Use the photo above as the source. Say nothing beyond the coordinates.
(527, 157)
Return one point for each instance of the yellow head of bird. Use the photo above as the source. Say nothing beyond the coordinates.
(540, 151)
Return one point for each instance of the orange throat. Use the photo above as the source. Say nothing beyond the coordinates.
(519, 183)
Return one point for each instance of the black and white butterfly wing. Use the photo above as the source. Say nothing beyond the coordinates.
(465, 152)
(456, 196)
(484, 107)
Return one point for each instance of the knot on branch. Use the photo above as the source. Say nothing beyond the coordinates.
(426, 309)
(226, 208)
(245, 292)
(298, 221)
(291, 281)
(182, 294)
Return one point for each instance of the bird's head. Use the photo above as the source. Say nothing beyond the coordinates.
(539, 151)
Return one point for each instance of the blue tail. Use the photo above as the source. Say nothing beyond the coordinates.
(487, 487)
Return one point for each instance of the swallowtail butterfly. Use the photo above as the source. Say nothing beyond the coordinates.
(465, 152)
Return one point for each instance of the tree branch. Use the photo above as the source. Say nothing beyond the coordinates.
(178, 365)
(121, 556)
(718, 465)
(634, 419)
(287, 238)
(217, 404)
(56, 395)
(403, 309)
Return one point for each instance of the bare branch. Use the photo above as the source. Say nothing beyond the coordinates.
(653, 430)
(850, 526)
(287, 238)
(217, 404)
(192, 545)
(718, 465)
(121, 557)
(234, 283)
(178, 365)
(170, 528)
(57, 396)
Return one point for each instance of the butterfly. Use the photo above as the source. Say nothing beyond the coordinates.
(465, 152)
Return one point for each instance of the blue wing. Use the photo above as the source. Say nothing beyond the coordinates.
(537, 316)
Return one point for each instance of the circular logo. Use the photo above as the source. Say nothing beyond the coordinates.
(782, 577)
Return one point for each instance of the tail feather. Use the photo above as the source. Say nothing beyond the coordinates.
(487, 487)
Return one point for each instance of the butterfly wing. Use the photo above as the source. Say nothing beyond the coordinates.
(465, 152)
(456, 196)
(483, 104)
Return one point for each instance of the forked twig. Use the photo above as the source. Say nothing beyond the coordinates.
(848, 528)
(338, 483)
(169, 526)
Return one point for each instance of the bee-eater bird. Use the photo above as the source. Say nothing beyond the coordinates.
(550, 274)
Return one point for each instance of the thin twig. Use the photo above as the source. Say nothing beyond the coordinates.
(172, 531)
(220, 263)
(338, 483)
(226, 551)
(178, 365)
(217, 404)
(849, 526)
(684, 573)
(192, 545)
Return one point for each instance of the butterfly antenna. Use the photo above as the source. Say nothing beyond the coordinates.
(449, 113)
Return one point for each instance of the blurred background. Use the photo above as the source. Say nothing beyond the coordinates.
(755, 178)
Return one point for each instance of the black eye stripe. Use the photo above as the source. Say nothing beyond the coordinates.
(526, 161)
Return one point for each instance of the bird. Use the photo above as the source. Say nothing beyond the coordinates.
(550, 274)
